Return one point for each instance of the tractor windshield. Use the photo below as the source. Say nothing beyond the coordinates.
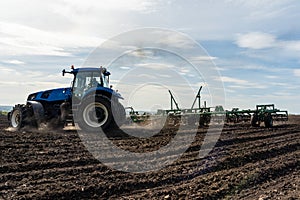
(86, 80)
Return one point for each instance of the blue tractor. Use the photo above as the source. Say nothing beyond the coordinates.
(90, 102)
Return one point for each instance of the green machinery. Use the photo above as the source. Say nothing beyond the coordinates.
(262, 114)
(138, 116)
(203, 115)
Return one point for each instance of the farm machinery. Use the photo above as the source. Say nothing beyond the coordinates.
(203, 116)
(266, 114)
(90, 102)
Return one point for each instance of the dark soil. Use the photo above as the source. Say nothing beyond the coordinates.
(246, 163)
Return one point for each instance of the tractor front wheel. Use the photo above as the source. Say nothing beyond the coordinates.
(17, 117)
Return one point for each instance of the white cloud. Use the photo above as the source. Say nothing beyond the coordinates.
(184, 70)
(241, 84)
(247, 67)
(125, 68)
(155, 66)
(23, 40)
(203, 58)
(271, 77)
(297, 72)
(260, 40)
(14, 62)
(234, 80)
(5, 70)
(146, 76)
(174, 40)
(290, 45)
(142, 53)
(110, 5)
(256, 40)
(165, 76)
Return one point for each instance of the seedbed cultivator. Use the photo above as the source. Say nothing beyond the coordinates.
(203, 116)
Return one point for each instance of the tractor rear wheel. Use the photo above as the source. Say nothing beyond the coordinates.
(95, 114)
(119, 114)
(268, 121)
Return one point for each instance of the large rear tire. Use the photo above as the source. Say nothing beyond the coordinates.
(95, 114)
(119, 114)
(268, 121)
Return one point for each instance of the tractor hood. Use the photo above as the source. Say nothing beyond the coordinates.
(59, 94)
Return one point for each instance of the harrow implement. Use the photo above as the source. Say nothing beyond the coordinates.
(203, 116)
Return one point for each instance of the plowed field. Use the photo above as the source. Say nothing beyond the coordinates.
(246, 163)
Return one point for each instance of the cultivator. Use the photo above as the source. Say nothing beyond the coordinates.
(203, 116)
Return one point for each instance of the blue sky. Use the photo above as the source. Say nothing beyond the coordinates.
(255, 44)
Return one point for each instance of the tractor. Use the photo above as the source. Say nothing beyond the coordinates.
(264, 113)
(90, 102)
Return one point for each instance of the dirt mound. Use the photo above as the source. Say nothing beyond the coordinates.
(246, 163)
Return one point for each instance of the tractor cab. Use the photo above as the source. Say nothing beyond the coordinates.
(87, 80)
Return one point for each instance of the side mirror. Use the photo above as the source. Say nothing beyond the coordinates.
(63, 72)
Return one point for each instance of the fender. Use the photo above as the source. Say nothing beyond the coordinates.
(102, 91)
(38, 110)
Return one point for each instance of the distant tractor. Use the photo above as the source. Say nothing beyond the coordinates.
(90, 102)
(267, 114)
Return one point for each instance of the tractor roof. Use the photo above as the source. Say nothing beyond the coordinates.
(88, 69)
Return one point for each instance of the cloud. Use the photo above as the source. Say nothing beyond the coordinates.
(5, 70)
(125, 68)
(165, 76)
(143, 53)
(260, 40)
(240, 83)
(24, 40)
(234, 80)
(271, 77)
(290, 45)
(256, 40)
(244, 66)
(155, 66)
(146, 76)
(269, 48)
(203, 58)
(174, 40)
(110, 5)
(14, 62)
(297, 72)
(184, 71)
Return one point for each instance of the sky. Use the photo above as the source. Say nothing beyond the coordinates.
(255, 45)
